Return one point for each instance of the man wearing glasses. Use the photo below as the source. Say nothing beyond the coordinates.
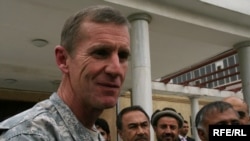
(215, 113)
(241, 107)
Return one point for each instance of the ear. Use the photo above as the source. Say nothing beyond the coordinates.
(120, 133)
(201, 134)
(61, 58)
(154, 127)
(109, 137)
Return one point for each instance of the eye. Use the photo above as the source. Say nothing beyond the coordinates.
(101, 53)
(144, 125)
(236, 122)
(221, 123)
(102, 133)
(241, 114)
(132, 126)
(172, 127)
(123, 55)
(163, 126)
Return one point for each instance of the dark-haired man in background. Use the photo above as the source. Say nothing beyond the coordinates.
(184, 131)
(241, 107)
(133, 124)
(103, 127)
(215, 113)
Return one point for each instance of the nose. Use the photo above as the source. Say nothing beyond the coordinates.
(141, 131)
(114, 66)
(167, 130)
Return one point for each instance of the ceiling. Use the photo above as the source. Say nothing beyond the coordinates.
(182, 33)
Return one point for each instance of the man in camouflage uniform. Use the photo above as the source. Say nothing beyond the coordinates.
(93, 58)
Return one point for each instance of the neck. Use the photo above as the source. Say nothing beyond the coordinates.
(183, 135)
(86, 114)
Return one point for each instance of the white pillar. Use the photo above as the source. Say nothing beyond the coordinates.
(194, 110)
(141, 67)
(243, 49)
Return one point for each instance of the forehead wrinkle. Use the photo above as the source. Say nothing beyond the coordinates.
(92, 29)
(138, 122)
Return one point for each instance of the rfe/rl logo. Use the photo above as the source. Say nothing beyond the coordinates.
(228, 132)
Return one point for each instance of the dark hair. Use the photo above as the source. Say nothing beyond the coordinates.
(103, 124)
(169, 112)
(219, 106)
(99, 14)
(127, 110)
(185, 121)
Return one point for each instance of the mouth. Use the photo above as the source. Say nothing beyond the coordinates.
(141, 139)
(168, 138)
(109, 85)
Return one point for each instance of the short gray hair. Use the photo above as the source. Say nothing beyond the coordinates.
(219, 106)
(70, 34)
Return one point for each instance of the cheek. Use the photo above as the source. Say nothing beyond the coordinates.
(125, 68)
(160, 131)
(176, 131)
(92, 69)
(85, 66)
(84, 60)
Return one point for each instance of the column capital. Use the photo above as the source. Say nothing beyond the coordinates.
(242, 44)
(140, 16)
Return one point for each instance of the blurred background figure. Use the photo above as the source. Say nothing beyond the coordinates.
(241, 107)
(215, 113)
(183, 132)
(166, 124)
(103, 127)
(133, 124)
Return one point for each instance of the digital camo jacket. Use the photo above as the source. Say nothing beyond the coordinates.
(49, 120)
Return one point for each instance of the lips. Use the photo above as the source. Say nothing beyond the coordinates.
(109, 85)
(141, 139)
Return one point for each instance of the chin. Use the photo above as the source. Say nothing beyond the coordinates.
(110, 105)
(110, 101)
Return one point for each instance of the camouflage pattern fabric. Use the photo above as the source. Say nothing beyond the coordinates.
(49, 120)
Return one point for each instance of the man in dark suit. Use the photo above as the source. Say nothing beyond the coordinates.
(183, 132)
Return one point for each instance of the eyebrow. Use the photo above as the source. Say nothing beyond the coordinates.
(138, 123)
